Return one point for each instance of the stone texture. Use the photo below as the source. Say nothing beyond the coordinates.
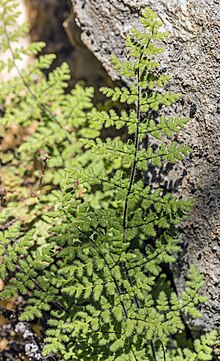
(192, 57)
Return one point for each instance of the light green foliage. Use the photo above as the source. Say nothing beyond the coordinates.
(96, 273)
(202, 349)
(40, 126)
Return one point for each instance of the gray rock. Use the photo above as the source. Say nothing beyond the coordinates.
(192, 57)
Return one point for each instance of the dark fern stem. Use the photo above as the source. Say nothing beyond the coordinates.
(133, 169)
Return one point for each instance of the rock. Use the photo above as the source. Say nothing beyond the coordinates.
(192, 57)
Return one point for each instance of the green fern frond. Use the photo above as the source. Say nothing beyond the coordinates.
(101, 235)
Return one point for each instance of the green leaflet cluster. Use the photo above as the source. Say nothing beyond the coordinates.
(40, 125)
(97, 277)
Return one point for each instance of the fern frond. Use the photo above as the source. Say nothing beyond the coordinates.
(94, 260)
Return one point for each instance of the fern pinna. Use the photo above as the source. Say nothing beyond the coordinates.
(97, 277)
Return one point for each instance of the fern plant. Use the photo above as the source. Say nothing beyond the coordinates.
(96, 278)
(39, 128)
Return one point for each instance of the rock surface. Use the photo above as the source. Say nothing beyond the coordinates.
(192, 57)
